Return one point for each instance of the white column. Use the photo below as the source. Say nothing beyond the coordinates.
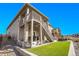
(26, 36)
(26, 27)
(41, 29)
(31, 32)
(26, 32)
(41, 33)
(27, 13)
(27, 10)
(18, 35)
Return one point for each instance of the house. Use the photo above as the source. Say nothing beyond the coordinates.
(30, 27)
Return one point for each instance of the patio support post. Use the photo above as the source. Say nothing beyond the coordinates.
(41, 29)
(25, 33)
(26, 27)
(18, 38)
(31, 31)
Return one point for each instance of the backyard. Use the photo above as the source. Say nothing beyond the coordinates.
(60, 48)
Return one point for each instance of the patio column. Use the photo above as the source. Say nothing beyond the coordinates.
(27, 13)
(41, 29)
(31, 31)
(26, 28)
(26, 33)
(18, 34)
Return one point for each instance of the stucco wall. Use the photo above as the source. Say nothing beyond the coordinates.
(13, 30)
(50, 28)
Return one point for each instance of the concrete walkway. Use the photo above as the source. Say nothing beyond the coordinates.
(71, 49)
(76, 47)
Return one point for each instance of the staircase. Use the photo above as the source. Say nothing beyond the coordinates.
(44, 25)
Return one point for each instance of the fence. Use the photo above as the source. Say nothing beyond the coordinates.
(3, 40)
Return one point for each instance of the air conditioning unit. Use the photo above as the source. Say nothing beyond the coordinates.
(34, 43)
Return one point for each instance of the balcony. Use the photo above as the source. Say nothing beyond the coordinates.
(35, 16)
(27, 18)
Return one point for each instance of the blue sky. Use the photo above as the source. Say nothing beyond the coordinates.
(63, 16)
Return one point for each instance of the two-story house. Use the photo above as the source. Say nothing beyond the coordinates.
(30, 27)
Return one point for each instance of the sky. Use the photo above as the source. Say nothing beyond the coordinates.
(63, 16)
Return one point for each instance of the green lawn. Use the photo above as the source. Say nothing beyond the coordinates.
(53, 49)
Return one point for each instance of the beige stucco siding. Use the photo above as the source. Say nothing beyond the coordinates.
(50, 28)
(13, 30)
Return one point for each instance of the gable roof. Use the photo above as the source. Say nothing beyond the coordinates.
(22, 9)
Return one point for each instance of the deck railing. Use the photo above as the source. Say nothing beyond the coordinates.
(36, 16)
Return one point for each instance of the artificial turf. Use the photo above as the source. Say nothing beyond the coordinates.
(60, 48)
